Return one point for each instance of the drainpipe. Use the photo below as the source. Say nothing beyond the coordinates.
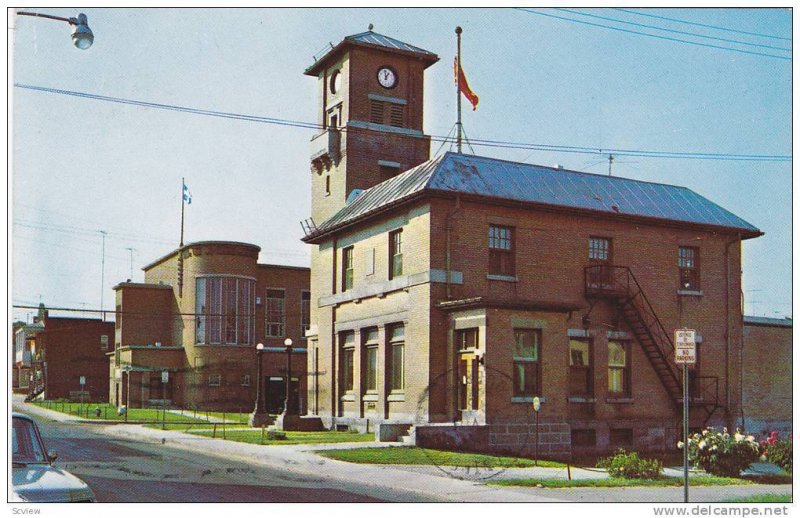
(334, 372)
(448, 229)
(728, 327)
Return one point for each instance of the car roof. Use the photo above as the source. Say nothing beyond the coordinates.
(21, 416)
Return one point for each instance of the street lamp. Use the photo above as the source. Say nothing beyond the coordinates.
(82, 36)
(258, 418)
(288, 407)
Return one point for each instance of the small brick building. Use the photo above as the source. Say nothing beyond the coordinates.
(448, 293)
(187, 336)
(68, 349)
(767, 374)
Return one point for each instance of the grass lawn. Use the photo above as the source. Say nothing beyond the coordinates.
(253, 436)
(109, 412)
(427, 457)
(622, 482)
(769, 498)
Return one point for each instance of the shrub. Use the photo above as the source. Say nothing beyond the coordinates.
(720, 453)
(629, 465)
(778, 451)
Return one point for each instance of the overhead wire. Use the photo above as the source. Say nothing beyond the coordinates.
(674, 31)
(708, 26)
(668, 38)
(435, 138)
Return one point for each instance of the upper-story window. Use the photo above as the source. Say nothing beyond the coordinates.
(395, 253)
(619, 383)
(305, 312)
(501, 250)
(224, 308)
(599, 249)
(347, 268)
(276, 313)
(688, 265)
(387, 112)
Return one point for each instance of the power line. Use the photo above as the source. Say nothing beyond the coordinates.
(435, 138)
(668, 38)
(728, 29)
(675, 31)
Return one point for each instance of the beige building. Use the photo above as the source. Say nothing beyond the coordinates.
(448, 293)
(187, 335)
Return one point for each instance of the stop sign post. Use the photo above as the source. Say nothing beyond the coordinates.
(685, 354)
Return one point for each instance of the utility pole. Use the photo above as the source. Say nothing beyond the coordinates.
(102, 272)
(610, 161)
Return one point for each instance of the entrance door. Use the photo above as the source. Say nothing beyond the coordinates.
(276, 393)
(468, 378)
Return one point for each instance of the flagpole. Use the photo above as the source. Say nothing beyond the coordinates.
(458, 90)
(183, 200)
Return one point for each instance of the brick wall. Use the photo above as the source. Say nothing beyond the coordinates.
(767, 383)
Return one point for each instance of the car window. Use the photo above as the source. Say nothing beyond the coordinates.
(26, 445)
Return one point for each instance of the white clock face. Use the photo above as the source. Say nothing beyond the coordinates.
(387, 77)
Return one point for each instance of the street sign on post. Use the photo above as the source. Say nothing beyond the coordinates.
(685, 347)
(82, 381)
(164, 376)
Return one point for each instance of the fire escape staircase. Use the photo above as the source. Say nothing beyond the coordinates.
(618, 284)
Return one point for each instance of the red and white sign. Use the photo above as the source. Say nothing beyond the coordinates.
(685, 347)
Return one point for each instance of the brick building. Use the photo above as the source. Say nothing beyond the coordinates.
(68, 349)
(451, 294)
(767, 374)
(197, 317)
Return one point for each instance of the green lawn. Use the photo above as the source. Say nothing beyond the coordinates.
(769, 498)
(109, 412)
(254, 436)
(428, 457)
(622, 482)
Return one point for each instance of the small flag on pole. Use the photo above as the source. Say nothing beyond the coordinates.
(187, 195)
(461, 81)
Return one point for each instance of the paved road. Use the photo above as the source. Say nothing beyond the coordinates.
(136, 471)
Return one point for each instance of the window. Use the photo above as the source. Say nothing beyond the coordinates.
(276, 313)
(397, 345)
(224, 308)
(501, 250)
(388, 171)
(395, 253)
(618, 371)
(305, 312)
(467, 339)
(327, 185)
(104, 342)
(580, 368)
(347, 268)
(348, 341)
(583, 438)
(387, 112)
(370, 360)
(214, 380)
(246, 380)
(621, 437)
(599, 249)
(688, 259)
(526, 362)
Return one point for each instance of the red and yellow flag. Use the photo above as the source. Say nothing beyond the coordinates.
(461, 81)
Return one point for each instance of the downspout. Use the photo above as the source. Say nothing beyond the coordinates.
(728, 326)
(334, 371)
(448, 229)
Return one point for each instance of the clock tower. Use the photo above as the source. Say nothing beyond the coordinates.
(370, 108)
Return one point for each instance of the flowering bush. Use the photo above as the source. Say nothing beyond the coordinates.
(720, 453)
(778, 451)
(630, 465)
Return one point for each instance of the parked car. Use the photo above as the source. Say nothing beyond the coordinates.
(34, 478)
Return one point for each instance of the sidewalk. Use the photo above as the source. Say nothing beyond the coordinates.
(443, 483)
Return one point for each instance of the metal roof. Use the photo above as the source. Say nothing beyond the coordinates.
(541, 186)
(373, 38)
(766, 321)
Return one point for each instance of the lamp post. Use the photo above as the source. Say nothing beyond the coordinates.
(258, 418)
(82, 36)
(288, 407)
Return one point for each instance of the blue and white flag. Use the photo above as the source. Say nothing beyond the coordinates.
(187, 194)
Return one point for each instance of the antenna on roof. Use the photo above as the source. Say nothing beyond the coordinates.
(610, 161)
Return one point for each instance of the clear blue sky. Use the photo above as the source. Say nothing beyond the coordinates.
(81, 165)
